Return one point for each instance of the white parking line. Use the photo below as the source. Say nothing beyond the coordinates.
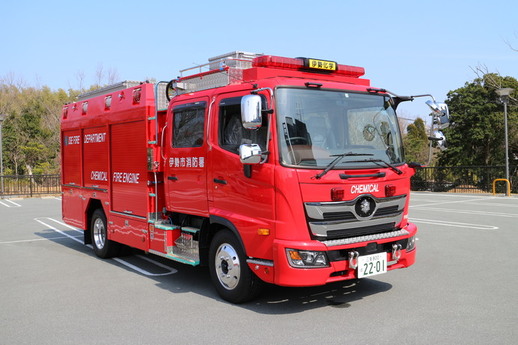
(9, 203)
(170, 270)
(480, 213)
(140, 270)
(448, 202)
(58, 231)
(34, 239)
(454, 224)
(496, 204)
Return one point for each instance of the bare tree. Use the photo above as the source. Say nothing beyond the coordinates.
(99, 75)
(493, 80)
(509, 43)
(80, 76)
(113, 76)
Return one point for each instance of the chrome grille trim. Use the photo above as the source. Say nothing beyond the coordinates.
(343, 241)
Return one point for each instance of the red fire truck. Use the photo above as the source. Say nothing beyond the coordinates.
(267, 169)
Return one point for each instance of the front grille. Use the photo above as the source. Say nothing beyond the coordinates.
(335, 220)
(355, 232)
(387, 211)
(338, 215)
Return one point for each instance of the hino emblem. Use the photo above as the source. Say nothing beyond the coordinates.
(365, 207)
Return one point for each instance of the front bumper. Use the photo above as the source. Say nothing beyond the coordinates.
(339, 269)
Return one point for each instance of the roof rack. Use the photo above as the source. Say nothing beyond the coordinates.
(221, 70)
(108, 89)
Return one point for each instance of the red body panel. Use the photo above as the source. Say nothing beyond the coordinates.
(104, 161)
(128, 168)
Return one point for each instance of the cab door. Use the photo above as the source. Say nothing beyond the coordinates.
(242, 196)
(186, 153)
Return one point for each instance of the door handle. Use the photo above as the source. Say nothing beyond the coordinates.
(220, 181)
(172, 178)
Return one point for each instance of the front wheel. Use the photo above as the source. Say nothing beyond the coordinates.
(103, 247)
(230, 274)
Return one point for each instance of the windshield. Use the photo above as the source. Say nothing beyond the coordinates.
(316, 125)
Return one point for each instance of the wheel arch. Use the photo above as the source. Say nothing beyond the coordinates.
(209, 230)
(93, 204)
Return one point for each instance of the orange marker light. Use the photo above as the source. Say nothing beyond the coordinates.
(263, 232)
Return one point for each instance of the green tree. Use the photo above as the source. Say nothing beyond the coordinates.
(416, 142)
(31, 136)
(477, 136)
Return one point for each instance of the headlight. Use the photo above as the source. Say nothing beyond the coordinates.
(411, 244)
(306, 258)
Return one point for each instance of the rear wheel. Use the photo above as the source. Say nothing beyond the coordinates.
(230, 274)
(103, 247)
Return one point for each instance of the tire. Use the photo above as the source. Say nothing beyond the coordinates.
(230, 274)
(103, 247)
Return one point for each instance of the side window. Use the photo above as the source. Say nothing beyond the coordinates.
(231, 131)
(188, 125)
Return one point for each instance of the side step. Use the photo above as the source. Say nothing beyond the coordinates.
(181, 243)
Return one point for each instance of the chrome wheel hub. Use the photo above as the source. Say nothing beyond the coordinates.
(228, 267)
(99, 233)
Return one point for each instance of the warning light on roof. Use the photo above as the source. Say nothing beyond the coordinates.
(308, 64)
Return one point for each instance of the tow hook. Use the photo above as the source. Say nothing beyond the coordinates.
(353, 259)
(396, 252)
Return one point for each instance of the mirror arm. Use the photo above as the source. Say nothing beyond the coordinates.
(247, 170)
(256, 91)
(267, 152)
(401, 99)
(269, 89)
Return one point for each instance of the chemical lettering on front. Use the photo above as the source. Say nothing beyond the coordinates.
(187, 162)
(94, 138)
(124, 177)
(364, 188)
(99, 176)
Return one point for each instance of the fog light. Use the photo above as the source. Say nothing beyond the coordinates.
(411, 244)
(306, 258)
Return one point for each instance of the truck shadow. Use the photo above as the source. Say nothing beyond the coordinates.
(276, 299)
(287, 300)
(179, 278)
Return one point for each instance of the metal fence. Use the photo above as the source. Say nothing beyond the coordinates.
(29, 185)
(463, 179)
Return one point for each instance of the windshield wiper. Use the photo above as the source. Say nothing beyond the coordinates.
(376, 161)
(338, 158)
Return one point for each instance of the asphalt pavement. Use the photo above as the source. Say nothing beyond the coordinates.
(462, 289)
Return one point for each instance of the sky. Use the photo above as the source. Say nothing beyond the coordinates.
(407, 47)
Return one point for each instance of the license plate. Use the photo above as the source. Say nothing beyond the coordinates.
(370, 265)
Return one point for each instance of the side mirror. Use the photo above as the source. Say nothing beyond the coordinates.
(251, 116)
(441, 114)
(440, 139)
(250, 154)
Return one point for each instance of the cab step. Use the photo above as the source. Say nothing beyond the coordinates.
(186, 246)
(180, 242)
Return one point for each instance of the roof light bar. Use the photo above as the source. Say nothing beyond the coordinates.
(302, 64)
